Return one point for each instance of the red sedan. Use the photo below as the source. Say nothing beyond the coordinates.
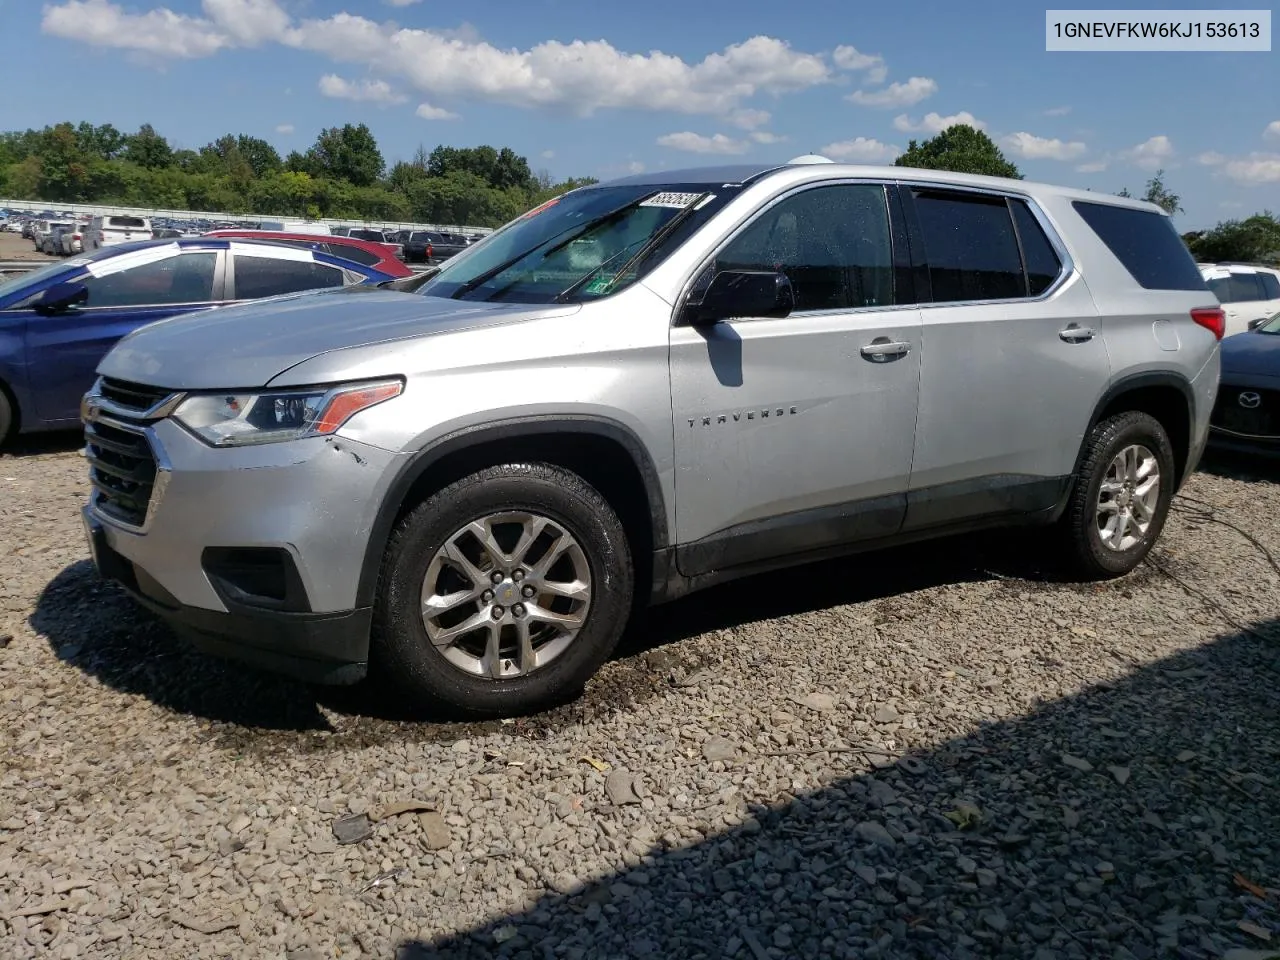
(380, 256)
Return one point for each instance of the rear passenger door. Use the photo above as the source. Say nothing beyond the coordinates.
(1012, 360)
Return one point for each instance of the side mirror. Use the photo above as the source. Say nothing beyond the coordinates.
(61, 296)
(1255, 324)
(742, 293)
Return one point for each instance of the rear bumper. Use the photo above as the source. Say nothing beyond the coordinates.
(327, 648)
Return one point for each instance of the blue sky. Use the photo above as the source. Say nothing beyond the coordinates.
(601, 89)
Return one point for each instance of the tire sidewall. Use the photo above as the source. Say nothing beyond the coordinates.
(417, 663)
(1147, 431)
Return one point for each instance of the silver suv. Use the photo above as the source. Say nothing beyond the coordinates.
(637, 390)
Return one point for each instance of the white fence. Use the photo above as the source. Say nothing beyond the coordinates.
(103, 210)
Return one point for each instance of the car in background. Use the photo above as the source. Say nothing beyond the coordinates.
(367, 233)
(444, 245)
(59, 320)
(49, 242)
(1249, 293)
(380, 256)
(417, 247)
(71, 240)
(1246, 415)
(296, 226)
(109, 230)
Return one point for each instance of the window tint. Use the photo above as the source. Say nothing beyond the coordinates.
(187, 278)
(971, 247)
(1146, 243)
(269, 277)
(1042, 263)
(1237, 288)
(351, 252)
(1270, 286)
(128, 223)
(831, 242)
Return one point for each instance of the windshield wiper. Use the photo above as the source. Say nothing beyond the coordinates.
(649, 245)
(575, 232)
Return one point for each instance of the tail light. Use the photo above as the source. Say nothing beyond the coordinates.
(1213, 319)
(431, 251)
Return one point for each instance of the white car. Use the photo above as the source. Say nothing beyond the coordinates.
(106, 231)
(1248, 293)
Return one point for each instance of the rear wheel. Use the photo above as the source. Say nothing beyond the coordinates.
(504, 592)
(1121, 497)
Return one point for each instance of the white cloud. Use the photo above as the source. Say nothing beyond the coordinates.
(548, 154)
(860, 150)
(361, 91)
(1057, 111)
(1093, 166)
(1273, 131)
(697, 143)
(427, 112)
(1255, 169)
(580, 76)
(1211, 159)
(402, 3)
(935, 122)
(635, 166)
(748, 118)
(850, 58)
(896, 94)
(284, 128)
(764, 136)
(1151, 154)
(1030, 147)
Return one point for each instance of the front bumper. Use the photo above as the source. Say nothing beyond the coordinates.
(309, 503)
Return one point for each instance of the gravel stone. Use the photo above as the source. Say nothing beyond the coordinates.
(864, 761)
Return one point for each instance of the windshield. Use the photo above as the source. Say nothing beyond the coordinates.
(580, 246)
(1270, 326)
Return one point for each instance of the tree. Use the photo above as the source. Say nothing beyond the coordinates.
(1254, 239)
(498, 168)
(961, 148)
(348, 153)
(147, 148)
(1158, 194)
(261, 156)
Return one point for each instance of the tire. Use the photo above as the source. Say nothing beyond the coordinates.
(6, 417)
(460, 675)
(1091, 548)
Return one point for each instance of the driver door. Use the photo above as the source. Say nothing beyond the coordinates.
(64, 350)
(795, 435)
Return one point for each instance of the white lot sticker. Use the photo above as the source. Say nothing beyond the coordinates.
(677, 200)
(279, 251)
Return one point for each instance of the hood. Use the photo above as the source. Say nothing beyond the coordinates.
(249, 344)
(1252, 353)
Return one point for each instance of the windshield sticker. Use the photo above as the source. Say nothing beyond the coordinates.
(134, 258)
(676, 200)
(599, 285)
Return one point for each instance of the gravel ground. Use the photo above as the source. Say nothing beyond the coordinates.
(14, 247)
(930, 753)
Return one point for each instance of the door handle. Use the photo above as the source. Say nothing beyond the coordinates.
(882, 349)
(1075, 334)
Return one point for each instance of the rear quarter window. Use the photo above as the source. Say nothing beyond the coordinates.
(1145, 243)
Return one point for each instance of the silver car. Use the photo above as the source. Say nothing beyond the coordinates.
(637, 390)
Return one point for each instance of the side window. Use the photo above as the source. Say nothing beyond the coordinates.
(352, 253)
(270, 277)
(1041, 260)
(1245, 287)
(1221, 288)
(832, 243)
(970, 245)
(186, 278)
(1270, 286)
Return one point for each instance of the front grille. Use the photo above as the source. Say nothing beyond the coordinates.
(1260, 421)
(131, 396)
(122, 469)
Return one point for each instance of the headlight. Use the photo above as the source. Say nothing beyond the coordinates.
(236, 419)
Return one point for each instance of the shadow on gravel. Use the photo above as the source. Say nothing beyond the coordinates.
(101, 630)
(37, 444)
(1240, 466)
(1134, 820)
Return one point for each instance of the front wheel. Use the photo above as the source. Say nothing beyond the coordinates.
(503, 593)
(1121, 496)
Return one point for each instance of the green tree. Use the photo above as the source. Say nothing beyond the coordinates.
(348, 153)
(1158, 194)
(498, 168)
(961, 148)
(1254, 239)
(147, 148)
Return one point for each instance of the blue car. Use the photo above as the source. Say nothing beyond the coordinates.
(59, 321)
(1246, 415)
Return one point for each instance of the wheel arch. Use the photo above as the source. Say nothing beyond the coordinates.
(606, 453)
(1164, 395)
